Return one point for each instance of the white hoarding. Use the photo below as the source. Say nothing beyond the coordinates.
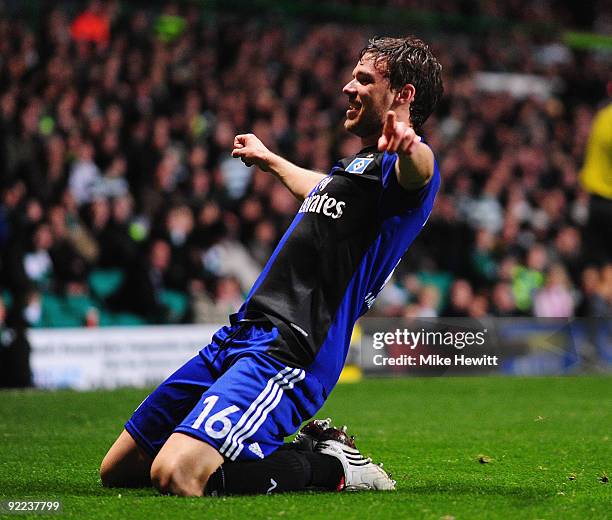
(112, 357)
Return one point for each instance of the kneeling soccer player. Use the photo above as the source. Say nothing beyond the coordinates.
(217, 425)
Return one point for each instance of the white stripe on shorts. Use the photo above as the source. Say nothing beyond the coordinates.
(256, 414)
(282, 380)
(255, 423)
(245, 416)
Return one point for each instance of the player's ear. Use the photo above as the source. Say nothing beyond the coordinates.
(405, 94)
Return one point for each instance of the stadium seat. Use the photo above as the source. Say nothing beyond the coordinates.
(177, 303)
(79, 304)
(127, 319)
(55, 313)
(104, 282)
(440, 280)
(7, 298)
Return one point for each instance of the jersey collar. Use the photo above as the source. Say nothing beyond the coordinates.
(368, 149)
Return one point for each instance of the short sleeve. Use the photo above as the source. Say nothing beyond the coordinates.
(395, 199)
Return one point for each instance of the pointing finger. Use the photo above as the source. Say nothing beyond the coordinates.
(395, 132)
(389, 126)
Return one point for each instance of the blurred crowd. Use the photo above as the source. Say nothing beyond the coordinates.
(116, 129)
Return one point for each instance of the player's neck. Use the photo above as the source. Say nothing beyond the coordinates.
(371, 140)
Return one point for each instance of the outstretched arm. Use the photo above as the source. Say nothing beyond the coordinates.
(251, 150)
(415, 165)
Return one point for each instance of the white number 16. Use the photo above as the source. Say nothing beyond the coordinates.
(219, 417)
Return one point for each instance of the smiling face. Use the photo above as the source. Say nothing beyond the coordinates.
(369, 98)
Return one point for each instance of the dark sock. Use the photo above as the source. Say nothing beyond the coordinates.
(327, 471)
(284, 470)
(287, 469)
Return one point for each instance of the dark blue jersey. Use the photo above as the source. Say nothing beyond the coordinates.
(343, 245)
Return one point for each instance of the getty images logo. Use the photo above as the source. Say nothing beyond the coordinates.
(323, 203)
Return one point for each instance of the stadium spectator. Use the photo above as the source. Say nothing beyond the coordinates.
(92, 25)
(84, 175)
(555, 299)
(70, 268)
(145, 282)
(483, 257)
(479, 307)
(428, 302)
(38, 265)
(461, 295)
(595, 302)
(526, 279)
(503, 304)
(568, 249)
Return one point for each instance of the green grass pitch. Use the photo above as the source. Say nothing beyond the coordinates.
(548, 443)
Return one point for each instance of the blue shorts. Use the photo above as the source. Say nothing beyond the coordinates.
(238, 399)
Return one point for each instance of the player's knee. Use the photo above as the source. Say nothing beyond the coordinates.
(108, 473)
(105, 475)
(171, 477)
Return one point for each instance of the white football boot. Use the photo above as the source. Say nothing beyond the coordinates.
(360, 473)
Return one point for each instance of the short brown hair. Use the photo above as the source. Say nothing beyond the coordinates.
(409, 60)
